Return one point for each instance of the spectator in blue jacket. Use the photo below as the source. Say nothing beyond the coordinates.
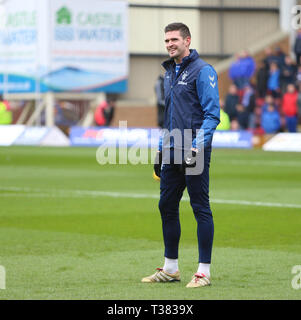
(192, 108)
(274, 80)
(248, 64)
(270, 119)
(242, 69)
(235, 72)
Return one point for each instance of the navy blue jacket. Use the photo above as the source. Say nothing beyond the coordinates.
(191, 99)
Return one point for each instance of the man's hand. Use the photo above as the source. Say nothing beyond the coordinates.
(189, 160)
(158, 163)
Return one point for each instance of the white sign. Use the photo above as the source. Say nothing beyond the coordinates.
(8, 134)
(284, 142)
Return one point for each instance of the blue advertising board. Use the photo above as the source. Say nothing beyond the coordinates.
(127, 137)
(148, 137)
(232, 139)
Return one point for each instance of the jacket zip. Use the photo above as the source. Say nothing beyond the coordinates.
(173, 83)
(171, 107)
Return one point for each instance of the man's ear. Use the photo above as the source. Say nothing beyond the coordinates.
(188, 41)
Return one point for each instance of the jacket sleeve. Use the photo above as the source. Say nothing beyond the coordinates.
(207, 90)
(160, 144)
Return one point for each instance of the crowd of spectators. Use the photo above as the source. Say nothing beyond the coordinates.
(264, 97)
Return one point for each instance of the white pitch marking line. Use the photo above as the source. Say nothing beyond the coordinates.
(276, 163)
(35, 192)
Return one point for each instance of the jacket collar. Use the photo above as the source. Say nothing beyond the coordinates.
(186, 60)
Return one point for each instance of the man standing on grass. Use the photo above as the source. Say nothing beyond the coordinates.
(191, 104)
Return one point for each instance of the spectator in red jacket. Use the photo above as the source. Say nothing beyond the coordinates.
(290, 107)
(299, 104)
(104, 113)
(99, 114)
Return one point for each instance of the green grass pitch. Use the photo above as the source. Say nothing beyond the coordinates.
(73, 229)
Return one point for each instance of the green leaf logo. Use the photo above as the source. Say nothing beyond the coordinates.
(63, 16)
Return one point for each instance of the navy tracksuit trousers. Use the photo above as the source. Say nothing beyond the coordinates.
(172, 185)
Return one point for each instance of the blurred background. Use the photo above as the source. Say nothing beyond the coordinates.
(78, 68)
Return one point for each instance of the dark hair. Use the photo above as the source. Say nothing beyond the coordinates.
(178, 26)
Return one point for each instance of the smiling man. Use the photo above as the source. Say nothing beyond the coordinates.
(191, 103)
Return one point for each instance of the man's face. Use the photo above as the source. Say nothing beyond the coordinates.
(176, 46)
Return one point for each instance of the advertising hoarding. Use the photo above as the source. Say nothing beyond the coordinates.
(63, 45)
